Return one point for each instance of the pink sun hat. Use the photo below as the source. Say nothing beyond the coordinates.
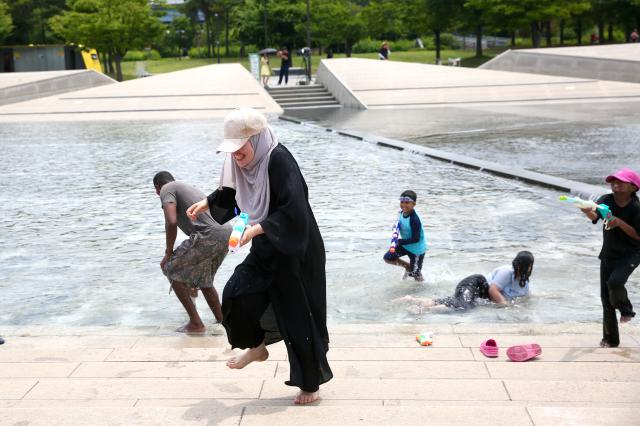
(625, 175)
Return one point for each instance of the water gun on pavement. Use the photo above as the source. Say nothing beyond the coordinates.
(604, 209)
(395, 233)
(238, 229)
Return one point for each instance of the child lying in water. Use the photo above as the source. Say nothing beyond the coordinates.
(503, 284)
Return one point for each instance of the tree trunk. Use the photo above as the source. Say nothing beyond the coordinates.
(208, 30)
(118, 66)
(579, 30)
(111, 67)
(535, 35)
(548, 31)
(601, 32)
(437, 35)
(562, 32)
(226, 33)
(513, 38)
(347, 49)
(479, 41)
(610, 33)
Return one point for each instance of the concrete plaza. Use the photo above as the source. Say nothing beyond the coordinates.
(150, 375)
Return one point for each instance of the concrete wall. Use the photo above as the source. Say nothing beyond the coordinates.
(536, 61)
(29, 86)
(329, 79)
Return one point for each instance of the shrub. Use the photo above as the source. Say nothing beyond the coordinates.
(198, 52)
(142, 55)
(367, 45)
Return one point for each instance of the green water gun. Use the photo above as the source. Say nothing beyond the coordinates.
(603, 209)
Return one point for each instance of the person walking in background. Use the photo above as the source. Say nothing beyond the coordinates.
(279, 291)
(620, 253)
(384, 52)
(634, 36)
(194, 263)
(265, 70)
(285, 64)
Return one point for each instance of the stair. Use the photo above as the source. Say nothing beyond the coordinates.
(303, 97)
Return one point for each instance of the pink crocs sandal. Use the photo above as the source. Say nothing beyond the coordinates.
(526, 352)
(489, 348)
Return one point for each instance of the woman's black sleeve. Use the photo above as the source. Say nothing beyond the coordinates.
(222, 204)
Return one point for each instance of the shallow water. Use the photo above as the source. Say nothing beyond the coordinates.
(578, 151)
(82, 235)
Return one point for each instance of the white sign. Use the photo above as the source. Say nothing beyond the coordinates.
(254, 64)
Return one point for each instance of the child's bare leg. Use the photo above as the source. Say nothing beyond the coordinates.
(399, 262)
(211, 296)
(423, 302)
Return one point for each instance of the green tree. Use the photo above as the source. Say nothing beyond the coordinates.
(30, 19)
(113, 26)
(6, 23)
(385, 19)
(282, 18)
(436, 16)
(335, 23)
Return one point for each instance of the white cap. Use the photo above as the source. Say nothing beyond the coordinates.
(240, 125)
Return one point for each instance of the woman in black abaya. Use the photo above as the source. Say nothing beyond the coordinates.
(279, 291)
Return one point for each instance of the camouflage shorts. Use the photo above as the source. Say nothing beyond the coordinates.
(196, 261)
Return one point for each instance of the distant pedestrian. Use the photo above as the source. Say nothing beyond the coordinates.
(193, 264)
(329, 53)
(634, 36)
(594, 38)
(384, 52)
(265, 70)
(285, 64)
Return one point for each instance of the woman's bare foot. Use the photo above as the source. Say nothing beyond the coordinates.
(306, 397)
(604, 344)
(624, 319)
(258, 354)
(191, 328)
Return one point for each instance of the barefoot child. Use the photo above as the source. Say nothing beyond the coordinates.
(620, 252)
(412, 242)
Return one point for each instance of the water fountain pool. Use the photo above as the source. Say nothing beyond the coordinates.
(81, 229)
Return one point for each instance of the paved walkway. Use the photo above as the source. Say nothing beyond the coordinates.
(392, 84)
(201, 92)
(150, 375)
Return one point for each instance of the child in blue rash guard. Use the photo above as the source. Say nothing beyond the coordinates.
(412, 242)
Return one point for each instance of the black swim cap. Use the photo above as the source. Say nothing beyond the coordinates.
(521, 264)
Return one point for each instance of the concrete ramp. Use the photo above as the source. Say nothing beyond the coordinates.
(617, 62)
(202, 92)
(23, 86)
(372, 84)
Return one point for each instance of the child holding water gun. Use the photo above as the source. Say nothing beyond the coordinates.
(410, 241)
(620, 252)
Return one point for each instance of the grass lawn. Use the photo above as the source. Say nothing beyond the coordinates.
(421, 56)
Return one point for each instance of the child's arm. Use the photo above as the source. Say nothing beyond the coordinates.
(616, 222)
(496, 295)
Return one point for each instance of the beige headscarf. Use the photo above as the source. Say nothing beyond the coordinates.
(252, 182)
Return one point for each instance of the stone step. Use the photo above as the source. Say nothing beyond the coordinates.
(310, 103)
(284, 89)
(300, 94)
(314, 107)
(326, 97)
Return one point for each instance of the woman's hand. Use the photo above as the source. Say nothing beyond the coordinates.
(250, 233)
(196, 209)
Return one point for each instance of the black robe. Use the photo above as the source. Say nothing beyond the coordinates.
(279, 291)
